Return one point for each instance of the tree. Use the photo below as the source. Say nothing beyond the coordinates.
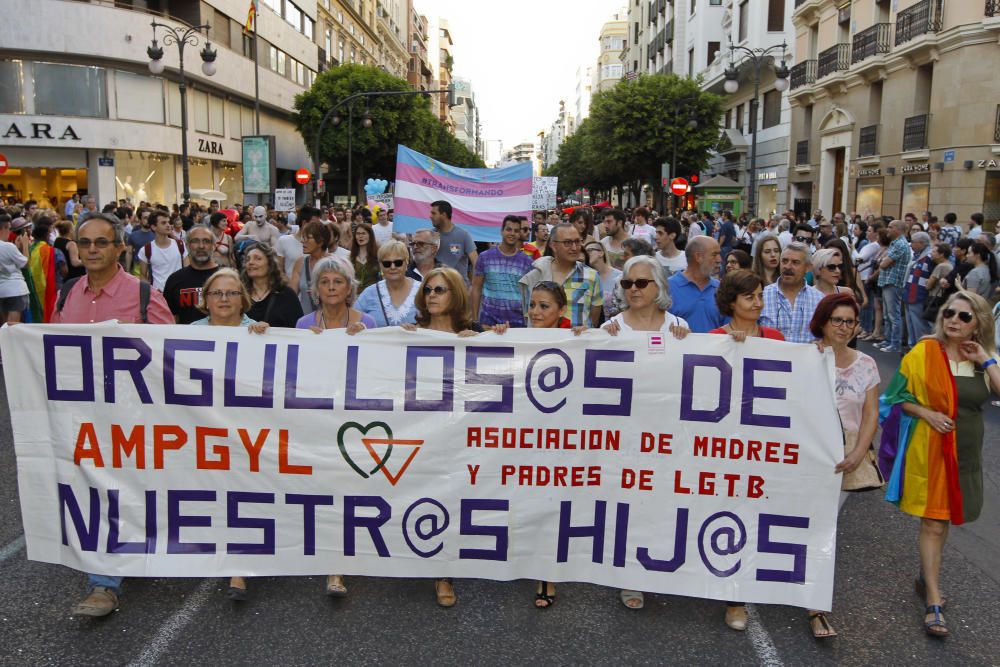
(403, 119)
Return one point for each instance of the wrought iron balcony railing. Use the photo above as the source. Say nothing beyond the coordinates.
(802, 152)
(834, 59)
(803, 74)
(920, 19)
(870, 42)
(915, 132)
(868, 141)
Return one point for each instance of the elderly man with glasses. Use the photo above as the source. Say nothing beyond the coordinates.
(582, 284)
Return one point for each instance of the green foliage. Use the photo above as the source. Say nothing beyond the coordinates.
(403, 119)
(631, 130)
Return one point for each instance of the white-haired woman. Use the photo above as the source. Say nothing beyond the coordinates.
(392, 301)
(644, 297)
(334, 289)
(827, 268)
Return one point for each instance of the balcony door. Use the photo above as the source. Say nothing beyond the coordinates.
(839, 157)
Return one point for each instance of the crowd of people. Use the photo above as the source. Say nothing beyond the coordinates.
(912, 284)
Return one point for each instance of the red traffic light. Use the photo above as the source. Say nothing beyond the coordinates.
(693, 178)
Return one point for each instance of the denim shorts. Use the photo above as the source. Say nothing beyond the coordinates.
(13, 304)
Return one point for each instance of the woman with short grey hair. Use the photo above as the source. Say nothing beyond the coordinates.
(662, 299)
(334, 289)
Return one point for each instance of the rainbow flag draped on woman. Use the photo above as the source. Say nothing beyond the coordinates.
(920, 464)
(42, 286)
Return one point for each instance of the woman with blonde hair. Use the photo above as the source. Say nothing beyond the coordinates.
(391, 301)
(932, 434)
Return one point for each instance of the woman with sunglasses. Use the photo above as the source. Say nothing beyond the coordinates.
(392, 301)
(645, 298)
(595, 256)
(827, 267)
(364, 257)
(932, 434)
(443, 305)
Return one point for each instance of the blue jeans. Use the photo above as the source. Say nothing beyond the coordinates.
(114, 583)
(892, 316)
(868, 312)
(916, 326)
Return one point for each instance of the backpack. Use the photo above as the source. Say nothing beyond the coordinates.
(149, 255)
(143, 297)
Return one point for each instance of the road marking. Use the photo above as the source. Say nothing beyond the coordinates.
(767, 654)
(168, 631)
(12, 549)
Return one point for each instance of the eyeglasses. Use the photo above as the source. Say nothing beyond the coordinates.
(804, 239)
(229, 294)
(570, 244)
(963, 315)
(834, 267)
(641, 283)
(841, 322)
(437, 289)
(101, 243)
(421, 244)
(389, 263)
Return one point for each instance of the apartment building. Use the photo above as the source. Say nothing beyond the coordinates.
(439, 47)
(609, 69)
(391, 24)
(348, 31)
(465, 115)
(84, 115)
(757, 25)
(895, 107)
(561, 129)
(418, 74)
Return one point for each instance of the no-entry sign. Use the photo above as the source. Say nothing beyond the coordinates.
(302, 176)
(3, 163)
(679, 186)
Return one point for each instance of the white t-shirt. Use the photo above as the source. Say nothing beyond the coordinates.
(12, 281)
(647, 232)
(382, 232)
(865, 260)
(343, 253)
(672, 264)
(784, 238)
(164, 261)
(669, 320)
(289, 249)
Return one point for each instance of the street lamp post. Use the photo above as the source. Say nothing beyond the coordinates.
(692, 124)
(366, 122)
(757, 58)
(181, 37)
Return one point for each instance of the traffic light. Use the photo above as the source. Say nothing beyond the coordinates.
(693, 179)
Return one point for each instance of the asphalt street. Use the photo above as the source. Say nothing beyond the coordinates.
(288, 621)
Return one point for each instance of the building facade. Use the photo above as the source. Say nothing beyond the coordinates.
(609, 69)
(418, 74)
(347, 31)
(442, 62)
(465, 115)
(391, 27)
(754, 24)
(84, 115)
(895, 107)
(561, 129)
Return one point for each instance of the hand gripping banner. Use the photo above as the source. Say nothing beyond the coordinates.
(701, 467)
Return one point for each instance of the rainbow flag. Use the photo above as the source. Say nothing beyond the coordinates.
(42, 269)
(480, 198)
(251, 25)
(920, 464)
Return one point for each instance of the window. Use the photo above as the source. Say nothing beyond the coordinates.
(308, 26)
(200, 106)
(715, 3)
(328, 42)
(234, 120)
(611, 72)
(693, 3)
(173, 104)
(216, 116)
(272, 61)
(744, 19)
(139, 97)
(362, 39)
(220, 28)
(729, 118)
(772, 109)
(340, 51)
(350, 28)
(293, 15)
(70, 90)
(713, 50)
(739, 117)
(11, 96)
(248, 123)
(691, 63)
(274, 4)
(776, 15)
(281, 64)
(340, 16)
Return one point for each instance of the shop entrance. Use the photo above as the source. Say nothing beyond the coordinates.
(49, 187)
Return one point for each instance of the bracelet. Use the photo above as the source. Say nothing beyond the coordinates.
(989, 362)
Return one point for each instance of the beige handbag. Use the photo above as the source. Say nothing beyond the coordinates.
(867, 476)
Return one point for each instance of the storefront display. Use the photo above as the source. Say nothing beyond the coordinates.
(144, 176)
(916, 194)
(869, 197)
(767, 200)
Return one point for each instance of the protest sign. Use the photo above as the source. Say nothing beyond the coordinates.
(543, 192)
(384, 200)
(284, 199)
(701, 467)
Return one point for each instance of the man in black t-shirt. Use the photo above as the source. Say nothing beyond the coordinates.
(183, 287)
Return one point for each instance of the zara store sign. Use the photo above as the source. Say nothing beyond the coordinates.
(40, 131)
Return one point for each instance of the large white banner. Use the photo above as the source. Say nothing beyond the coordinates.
(700, 467)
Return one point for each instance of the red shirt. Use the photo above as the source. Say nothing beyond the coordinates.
(765, 332)
(118, 300)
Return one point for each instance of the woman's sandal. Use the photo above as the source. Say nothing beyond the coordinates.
(335, 587)
(445, 597)
(935, 627)
(544, 600)
(237, 593)
(825, 630)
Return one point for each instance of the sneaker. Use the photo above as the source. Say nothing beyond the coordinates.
(889, 348)
(100, 602)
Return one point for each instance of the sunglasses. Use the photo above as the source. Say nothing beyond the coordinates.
(438, 289)
(804, 239)
(834, 267)
(963, 315)
(389, 263)
(641, 283)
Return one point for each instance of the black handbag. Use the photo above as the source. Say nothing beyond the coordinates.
(932, 305)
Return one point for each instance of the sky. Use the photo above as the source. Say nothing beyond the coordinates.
(521, 57)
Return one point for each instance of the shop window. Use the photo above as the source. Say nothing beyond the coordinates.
(11, 95)
(869, 198)
(139, 97)
(200, 109)
(916, 192)
(216, 116)
(991, 197)
(772, 108)
(70, 90)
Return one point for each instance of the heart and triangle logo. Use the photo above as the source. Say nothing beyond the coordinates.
(372, 445)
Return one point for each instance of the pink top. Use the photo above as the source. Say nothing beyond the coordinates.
(853, 383)
(118, 300)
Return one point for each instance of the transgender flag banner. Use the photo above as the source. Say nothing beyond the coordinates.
(480, 198)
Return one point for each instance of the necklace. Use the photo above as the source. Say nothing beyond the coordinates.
(322, 319)
(257, 296)
(753, 333)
